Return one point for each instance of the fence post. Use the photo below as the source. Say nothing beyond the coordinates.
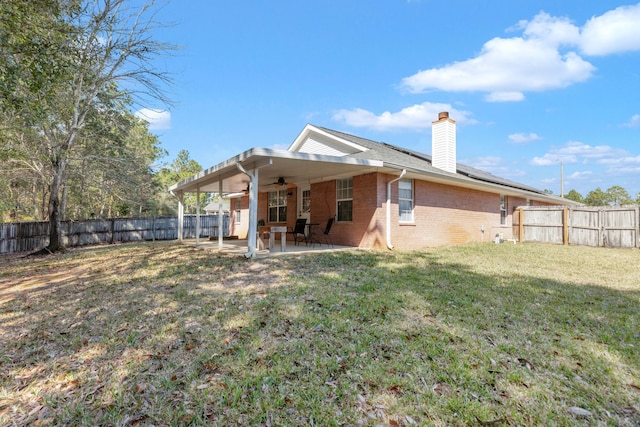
(521, 225)
(637, 226)
(565, 226)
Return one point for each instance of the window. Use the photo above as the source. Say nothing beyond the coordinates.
(503, 210)
(405, 200)
(238, 210)
(306, 201)
(278, 206)
(344, 197)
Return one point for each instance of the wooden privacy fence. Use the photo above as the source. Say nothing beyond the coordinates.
(30, 236)
(610, 226)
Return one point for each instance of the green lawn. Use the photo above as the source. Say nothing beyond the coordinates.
(164, 334)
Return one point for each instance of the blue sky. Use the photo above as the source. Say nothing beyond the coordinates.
(530, 83)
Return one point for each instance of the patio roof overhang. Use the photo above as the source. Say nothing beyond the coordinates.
(294, 167)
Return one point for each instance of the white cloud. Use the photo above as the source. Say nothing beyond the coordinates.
(504, 97)
(580, 175)
(507, 67)
(634, 122)
(157, 119)
(615, 31)
(621, 161)
(574, 152)
(546, 56)
(522, 138)
(419, 116)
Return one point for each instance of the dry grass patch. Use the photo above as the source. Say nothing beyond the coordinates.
(163, 334)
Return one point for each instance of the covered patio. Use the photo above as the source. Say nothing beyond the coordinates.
(260, 170)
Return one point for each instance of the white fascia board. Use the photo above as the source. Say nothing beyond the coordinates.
(308, 129)
(257, 157)
(229, 163)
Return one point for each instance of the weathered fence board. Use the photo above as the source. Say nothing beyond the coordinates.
(610, 226)
(30, 236)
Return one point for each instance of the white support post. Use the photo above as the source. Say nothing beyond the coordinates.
(253, 211)
(180, 217)
(220, 216)
(197, 216)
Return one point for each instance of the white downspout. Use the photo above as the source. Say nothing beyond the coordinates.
(403, 173)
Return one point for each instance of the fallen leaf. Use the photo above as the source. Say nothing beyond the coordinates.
(492, 422)
(525, 362)
(395, 390)
(576, 410)
(441, 389)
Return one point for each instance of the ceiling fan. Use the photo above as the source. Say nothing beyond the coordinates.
(281, 181)
(280, 184)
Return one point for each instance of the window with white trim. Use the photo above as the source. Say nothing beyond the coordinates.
(306, 201)
(344, 198)
(405, 200)
(238, 210)
(277, 206)
(503, 210)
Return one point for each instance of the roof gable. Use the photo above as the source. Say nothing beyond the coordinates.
(314, 140)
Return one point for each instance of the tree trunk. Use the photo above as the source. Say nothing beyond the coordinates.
(63, 203)
(55, 242)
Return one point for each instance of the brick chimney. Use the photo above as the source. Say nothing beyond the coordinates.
(443, 143)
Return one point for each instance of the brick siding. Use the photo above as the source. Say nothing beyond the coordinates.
(443, 214)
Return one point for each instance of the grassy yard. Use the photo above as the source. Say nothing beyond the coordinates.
(163, 334)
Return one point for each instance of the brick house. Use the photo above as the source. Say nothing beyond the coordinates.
(380, 195)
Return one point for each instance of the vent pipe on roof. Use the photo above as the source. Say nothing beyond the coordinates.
(443, 143)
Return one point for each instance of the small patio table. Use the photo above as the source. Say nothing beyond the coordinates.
(283, 237)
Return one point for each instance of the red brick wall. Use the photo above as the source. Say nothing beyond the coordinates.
(443, 214)
(239, 228)
(366, 229)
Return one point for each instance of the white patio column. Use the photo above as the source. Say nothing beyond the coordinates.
(253, 215)
(253, 211)
(180, 216)
(197, 216)
(220, 216)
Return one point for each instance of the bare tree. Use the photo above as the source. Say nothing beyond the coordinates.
(105, 51)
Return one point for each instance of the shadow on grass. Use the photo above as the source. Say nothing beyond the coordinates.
(164, 334)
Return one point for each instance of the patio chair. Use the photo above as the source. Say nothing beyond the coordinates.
(315, 237)
(299, 231)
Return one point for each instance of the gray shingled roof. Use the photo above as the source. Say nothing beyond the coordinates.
(419, 161)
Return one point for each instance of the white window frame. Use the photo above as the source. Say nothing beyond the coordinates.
(344, 194)
(503, 209)
(277, 199)
(238, 210)
(405, 197)
(306, 201)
